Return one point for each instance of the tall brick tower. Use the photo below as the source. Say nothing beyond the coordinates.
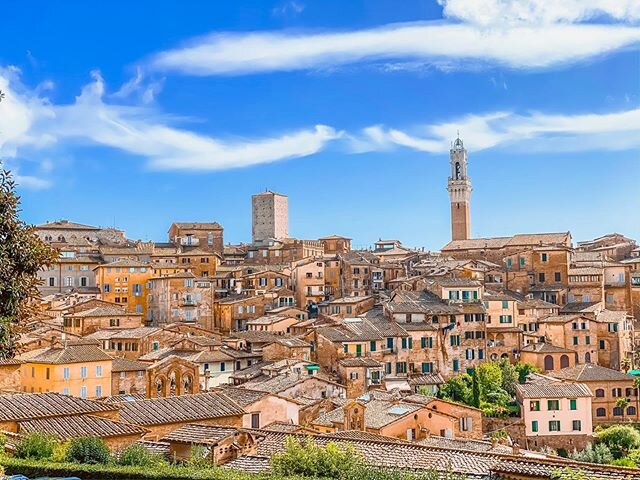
(459, 192)
(270, 216)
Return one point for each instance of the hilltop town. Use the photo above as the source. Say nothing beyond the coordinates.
(192, 341)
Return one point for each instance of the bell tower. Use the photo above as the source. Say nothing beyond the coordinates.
(459, 188)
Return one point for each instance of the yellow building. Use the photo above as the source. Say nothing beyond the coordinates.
(77, 369)
(125, 282)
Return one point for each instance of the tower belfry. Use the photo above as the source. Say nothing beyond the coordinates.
(459, 188)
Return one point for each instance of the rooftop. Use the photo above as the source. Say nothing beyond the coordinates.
(590, 372)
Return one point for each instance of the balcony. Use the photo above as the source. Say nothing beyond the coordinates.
(188, 302)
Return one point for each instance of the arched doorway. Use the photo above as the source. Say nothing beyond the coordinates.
(587, 357)
(548, 362)
(564, 361)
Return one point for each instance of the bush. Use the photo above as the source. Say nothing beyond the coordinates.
(594, 454)
(88, 450)
(138, 456)
(199, 457)
(36, 445)
(619, 438)
(60, 452)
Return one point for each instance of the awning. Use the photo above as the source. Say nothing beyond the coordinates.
(313, 367)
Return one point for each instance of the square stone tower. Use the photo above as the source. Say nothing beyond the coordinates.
(270, 216)
(459, 193)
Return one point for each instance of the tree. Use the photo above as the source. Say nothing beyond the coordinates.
(489, 382)
(458, 389)
(620, 439)
(524, 369)
(87, 450)
(594, 454)
(510, 376)
(22, 255)
(622, 404)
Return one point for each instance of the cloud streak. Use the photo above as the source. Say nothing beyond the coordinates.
(30, 122)
(517, 47)
(530, 132)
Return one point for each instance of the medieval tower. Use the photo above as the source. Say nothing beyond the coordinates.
(459, 188)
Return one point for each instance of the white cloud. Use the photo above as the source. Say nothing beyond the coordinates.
(28, 122)
(31, 182)
(521, 46)
(539, 12)
(526, 133)
(288, 7)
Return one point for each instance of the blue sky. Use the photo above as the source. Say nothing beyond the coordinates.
(144, 113)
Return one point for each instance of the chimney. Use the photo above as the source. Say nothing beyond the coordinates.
(516, 448)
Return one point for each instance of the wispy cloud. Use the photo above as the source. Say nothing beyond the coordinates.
(522, 46)
(539, 12)
(288, 7)
(31, 122)
(525, 133)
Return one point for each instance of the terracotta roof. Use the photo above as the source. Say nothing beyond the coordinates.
(125, 263)
(249, 463)
(519, 240)
(28, 406)
(360, 362)
(198, 225)
(183, 408)
(105, 312)
(126, 365)
(580, 307)
(80, 426)
(244, 396)
(65, 225)
(377, 414)
(545, 348)
(200, 434)
(69, 354)
(553, 390)
(427, 379)
(590, 372)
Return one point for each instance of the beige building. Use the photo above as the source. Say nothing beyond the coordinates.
(270, 215)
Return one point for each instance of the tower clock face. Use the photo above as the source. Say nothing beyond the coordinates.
(457, 170)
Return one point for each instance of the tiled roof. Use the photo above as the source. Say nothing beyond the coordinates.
(28, 406)
(543, 469)
(363, 436)
(360, 362)
(210, 356)
(580, 307)
(590, 372)
(427, 379)
(377, 414)
(127, 365)
(554, 390)
(545, 348)
(104, 312)
(280, 383)
(198, 225)
(80, 426)
(249, 463)
(125, 263)
(69, 354)
(65, 225)
(519, 240)
(183, 408)
(244, 396)
(138, 332)
(200, 434)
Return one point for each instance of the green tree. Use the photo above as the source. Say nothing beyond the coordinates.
(622, 404)
(22, 255)
(490, 382)
(458, 389)
(510, 376)
(475, 391)
(593, 454)
(87, 450)
(36, 445)
(620, 439)
(524, 369)
(138, 456)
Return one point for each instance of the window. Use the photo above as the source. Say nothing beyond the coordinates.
(255, 420)
(617, 411)
(65, 391)
(401, 367)
(98, 391)
(534, 426)
(509, 262)
(506, 319)
(553, 404)
(505, 304)
(577, 425)
(523, 261)
(353, 375)
(426, 342)
(114, 322)
(345, 348)
(123, 375)
(557, 277)
(404, 343)
(601, 412)
(534, 405)
(466, 424)
(573, 404)
(587, 340)
(188, 282)
(98, 370)
(390, 343)
(575, 340)
(470, 354)
(616, 392)
(454, 340)
(48, 373)
(554, 425)
(544, 257)
(65, 373)
(427, 367)
(83, 372)
(372, 346)
(541, 277)
(631, 411)
(456, 365)
(52, 281)
(602, 345)
(223, 366)
(83, 392)
(358, 350)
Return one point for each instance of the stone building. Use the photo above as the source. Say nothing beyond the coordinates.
(125, 282)
(270, 214)
(204, 235)
(459, 188)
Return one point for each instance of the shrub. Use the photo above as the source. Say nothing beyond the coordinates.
(36, 445)
(138, 456)
(88, 450)
(594, 454)
(619, 438)
(60, 452)
(199, 457)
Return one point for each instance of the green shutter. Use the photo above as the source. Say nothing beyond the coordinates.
(534, 426)
(573, 404)
(404, 343)
(410, 342)
(372, 346)
(423, 342)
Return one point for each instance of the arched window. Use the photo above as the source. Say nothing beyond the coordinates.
(631, 411)
(587, 357)
(601, 412)
(564, 361)
(599, 393)
(548, 362)
(617, 411)
(60, 238)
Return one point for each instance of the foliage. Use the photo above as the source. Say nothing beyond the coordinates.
(510, 376)
(90, 450)
(309, 459)
(620, 439)
(634, 456)
(593, 454)
(524, 369)
(60, 452)
(568, 474)
(494, 411)
(198, 457)
(138, 456)
(499, 435)
(624, 462)
(458, 389)
(22, 255)
(36, 445)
